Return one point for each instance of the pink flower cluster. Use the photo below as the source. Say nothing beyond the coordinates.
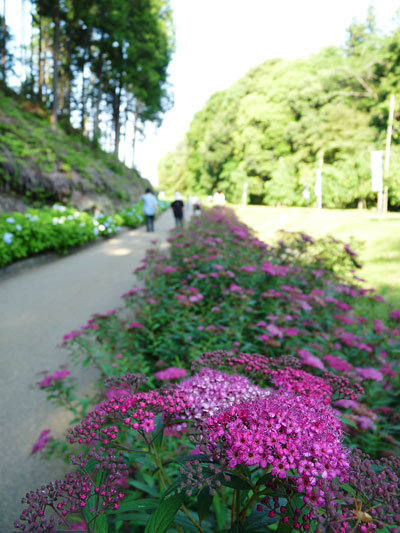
(242, 362)
(279, 271)
(282, 430)
(300, 382)
(43, 439)
(137, 411)
(209, 391)
(337, 363)
(57, 376)
(72, 494)
(172, 372)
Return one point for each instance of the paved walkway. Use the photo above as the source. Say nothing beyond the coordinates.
(37, 307)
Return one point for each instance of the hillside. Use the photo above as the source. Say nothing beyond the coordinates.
(281, 121)
(40, 165)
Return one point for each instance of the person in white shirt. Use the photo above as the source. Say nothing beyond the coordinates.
(149, 208)
(219, 198)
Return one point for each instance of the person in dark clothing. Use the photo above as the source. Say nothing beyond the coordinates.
(178, 207)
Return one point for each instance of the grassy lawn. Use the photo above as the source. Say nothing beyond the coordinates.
(377, 238)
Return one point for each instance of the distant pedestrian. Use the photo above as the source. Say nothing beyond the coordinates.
(178, 207)
(149, 208)
(196, 206)
(219, 198)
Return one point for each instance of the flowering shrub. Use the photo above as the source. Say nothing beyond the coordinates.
(240, 381)
(58, 229)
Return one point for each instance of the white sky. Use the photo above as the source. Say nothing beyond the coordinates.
(218, 41)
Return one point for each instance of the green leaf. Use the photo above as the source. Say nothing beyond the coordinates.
(137, 519)
(235, 482)
(348, 422)
(195, 457)
(101, 524)
(164, 514)
(258, 521)
(204, 501)
(137, 505)
(153, 491)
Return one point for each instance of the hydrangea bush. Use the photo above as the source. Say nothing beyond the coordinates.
(58, 228)
(243, 389)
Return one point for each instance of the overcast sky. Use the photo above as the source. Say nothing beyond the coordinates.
(218, 41)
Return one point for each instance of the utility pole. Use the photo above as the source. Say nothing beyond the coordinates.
(383, 197)
(318, 180)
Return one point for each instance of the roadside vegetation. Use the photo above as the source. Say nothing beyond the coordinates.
(376, 237)
(241, 390)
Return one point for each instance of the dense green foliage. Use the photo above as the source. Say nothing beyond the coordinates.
(59, 228)
(277, 124)
(28, 141)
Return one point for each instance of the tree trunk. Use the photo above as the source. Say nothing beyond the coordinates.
(117, 117)
(4, 44)
(83, 103)
(40, 81)
(135, 128)
(56, 47)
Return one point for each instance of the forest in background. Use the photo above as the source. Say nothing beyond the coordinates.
(93, 65)
(275, 126)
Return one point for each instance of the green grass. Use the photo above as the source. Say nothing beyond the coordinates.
(25, 131)
(377, 239)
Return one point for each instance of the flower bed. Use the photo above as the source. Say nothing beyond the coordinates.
(242, 382)
(59, 228)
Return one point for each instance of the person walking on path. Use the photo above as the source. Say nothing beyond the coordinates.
(149, 208)
(178, 207)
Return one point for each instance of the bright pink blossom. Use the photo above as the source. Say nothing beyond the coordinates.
(58, 375)
(135, 325)
(285, 431)
(310, 359)
(42, 441)
(395, 315)
(170, 373)
(337, 363)
(370, 373)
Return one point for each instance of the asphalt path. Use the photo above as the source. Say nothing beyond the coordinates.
(38, 305)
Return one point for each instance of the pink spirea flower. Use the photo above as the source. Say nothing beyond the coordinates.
(209, 391)
(365, 422)
(337, 363)
(172, 372)
(274, 270)
(72, 335)
(58, 375)
(395, 315)
(370, 373)
(291, 332)
(282, 430)
(44, 438)
(343, 319)
(248, 268)
(137, 411)
(135, 325)
(300, 382)
(81, 526)
(116, 393)
(379, 326)
(346, 403)
(310, 359)
(274, 331)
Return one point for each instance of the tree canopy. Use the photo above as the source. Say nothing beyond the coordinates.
(283, 119)
(95, 64)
